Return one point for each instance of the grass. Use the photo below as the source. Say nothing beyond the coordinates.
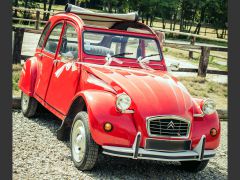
(16, 70)
(201, 88)
(197, 87)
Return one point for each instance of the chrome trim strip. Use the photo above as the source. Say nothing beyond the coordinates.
(136, 145)
(167, 117)
(128, 111)
(198, 115)
(160, 156)
(200, 147)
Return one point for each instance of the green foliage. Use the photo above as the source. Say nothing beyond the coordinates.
(190, 15)
(187, 13)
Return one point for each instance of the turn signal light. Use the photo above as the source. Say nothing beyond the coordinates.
(108, 127)
(213, 132)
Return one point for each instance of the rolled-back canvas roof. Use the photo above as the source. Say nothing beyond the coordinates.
(100, 19)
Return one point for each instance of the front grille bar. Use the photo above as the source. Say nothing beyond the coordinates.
(157, 126)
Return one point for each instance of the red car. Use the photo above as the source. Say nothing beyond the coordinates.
(105, 77)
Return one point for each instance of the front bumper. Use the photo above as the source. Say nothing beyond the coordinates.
(197, 154)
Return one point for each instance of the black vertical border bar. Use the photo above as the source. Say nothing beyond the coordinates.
(5, 90)
(234, 89)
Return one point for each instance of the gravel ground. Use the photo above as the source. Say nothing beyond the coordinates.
(37, 154)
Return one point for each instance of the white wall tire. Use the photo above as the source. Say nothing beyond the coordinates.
(28, 105)
(84, 150)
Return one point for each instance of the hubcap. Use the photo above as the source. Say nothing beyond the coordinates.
(78, 141)
(25, 101)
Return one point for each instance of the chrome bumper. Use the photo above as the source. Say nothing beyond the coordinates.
(197, 154)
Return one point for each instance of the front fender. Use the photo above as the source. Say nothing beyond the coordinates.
(101, 109)
(28, 76)
(203, 125)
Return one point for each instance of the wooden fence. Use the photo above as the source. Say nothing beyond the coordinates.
(38, 20)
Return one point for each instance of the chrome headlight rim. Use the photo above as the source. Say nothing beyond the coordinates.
(206, 103)
(120, 106)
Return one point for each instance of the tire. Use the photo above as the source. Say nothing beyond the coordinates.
(84, 150)
(194, 166)
(28, 105)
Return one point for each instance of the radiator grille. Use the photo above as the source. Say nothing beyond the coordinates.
(170, 127)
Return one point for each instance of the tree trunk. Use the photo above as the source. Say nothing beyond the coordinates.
(163, 23)
(217, 33)
(16, 5)
(109, 7)
(197, 30)
(182, 16)
(203, 63)
(151, 21)
(171, 22)
(190, 55)
(17, 49)
(25, 6)
(45, 8)
(174, 21)
(142, 15)
(49, 9)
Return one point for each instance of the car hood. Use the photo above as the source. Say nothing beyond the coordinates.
(153, 92)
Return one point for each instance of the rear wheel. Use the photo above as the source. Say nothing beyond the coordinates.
(84, 150)
(28, 105)
(194, 166)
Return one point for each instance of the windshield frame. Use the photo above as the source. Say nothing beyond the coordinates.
(126, 35)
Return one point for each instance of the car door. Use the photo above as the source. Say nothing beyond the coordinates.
(45, 64)
(66, 72)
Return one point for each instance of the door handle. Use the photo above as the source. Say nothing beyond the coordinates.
(40, 54)
(55, 61)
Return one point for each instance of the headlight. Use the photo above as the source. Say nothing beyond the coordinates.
(209, 106)
(123, 102)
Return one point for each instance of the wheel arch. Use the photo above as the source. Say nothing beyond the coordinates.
(28, 76)
(77, 105)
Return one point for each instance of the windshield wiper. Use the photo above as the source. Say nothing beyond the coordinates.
(110, 58)
(143, 58)
(121, 54)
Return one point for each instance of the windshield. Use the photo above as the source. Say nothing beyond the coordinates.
(121, 46)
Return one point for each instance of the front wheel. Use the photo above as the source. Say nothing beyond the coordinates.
(28, 105)
(194, 166)
(84, 150)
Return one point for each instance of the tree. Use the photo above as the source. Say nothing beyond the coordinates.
(217, 16)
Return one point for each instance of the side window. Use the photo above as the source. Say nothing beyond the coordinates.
(69, 45)
(52, 42)
(42, 38)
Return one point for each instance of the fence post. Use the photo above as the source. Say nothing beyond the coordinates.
(192, 42)
(17, 48)
(203, 63)
(37, 22)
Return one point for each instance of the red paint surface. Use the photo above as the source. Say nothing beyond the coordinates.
(152, 92)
